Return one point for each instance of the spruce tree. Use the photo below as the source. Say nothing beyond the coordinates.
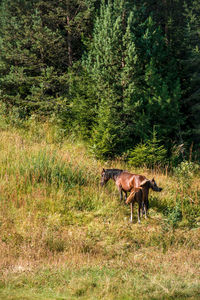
(104, 63)
(136, 82)
(83, 107)
(37, 49)
(191, 72)
(162, 85)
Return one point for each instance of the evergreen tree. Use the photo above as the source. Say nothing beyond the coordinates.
(191, 71)
(73, 19)
(162, 85)
(136, 85)
(36, 51)
(104, 63)
(83, 107)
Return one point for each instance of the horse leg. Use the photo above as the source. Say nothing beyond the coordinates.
(145, 203)
(125, 198)
(121, 196)
(120, 192)
(132, 194)
(131, 205)
(130, 197)
(139, 208)
(141, 205)
(145, 211)
(147, 206)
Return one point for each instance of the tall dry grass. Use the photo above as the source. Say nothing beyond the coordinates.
(64, 236)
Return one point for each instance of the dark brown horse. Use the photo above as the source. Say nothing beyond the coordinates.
(142, 197)
(137, 185)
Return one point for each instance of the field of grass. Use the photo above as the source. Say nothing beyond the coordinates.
(62, 236)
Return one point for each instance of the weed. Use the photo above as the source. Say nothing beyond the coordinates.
(174, 214)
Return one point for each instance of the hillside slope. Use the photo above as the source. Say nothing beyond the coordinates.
(64, 237)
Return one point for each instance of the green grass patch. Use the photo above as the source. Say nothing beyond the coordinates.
(97, 283)
(43, 166)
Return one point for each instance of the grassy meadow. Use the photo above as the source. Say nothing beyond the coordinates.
(62, 236)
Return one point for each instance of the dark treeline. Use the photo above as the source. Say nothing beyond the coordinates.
(119, 74)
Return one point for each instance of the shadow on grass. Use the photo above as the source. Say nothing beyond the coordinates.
(156, 204)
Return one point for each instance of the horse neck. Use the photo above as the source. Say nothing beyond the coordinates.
(114, 175)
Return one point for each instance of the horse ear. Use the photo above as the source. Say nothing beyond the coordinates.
(153, 179)
(103, 170)
(144, 182)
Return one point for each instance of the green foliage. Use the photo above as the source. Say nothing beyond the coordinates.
(103, 63)
(12, 116)
(28, 78)
(185, 172)
(84, 106)
(43, 167)
(149, 154)
(162, 83)
(136, 82)
(86, 203)
(173, 214)
(184, 213)
(107, 140)
(37, 45)
(141, 69)
(190, 67)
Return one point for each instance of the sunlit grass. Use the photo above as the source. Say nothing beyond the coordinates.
(64, 237)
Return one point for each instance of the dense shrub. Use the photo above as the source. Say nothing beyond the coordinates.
(173, 214)
(184, 172)
(148, 154)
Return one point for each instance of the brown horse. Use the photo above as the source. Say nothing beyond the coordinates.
(142, 197)
(137, 185)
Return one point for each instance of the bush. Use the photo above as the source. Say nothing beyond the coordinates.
(148, 154)
(12, 116)
(185, 171)
(174, 214)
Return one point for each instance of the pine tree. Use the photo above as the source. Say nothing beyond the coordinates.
(136, 82)
(104, 63)
(191, 71)
(83, 107)
(162, 85)
(36, 51)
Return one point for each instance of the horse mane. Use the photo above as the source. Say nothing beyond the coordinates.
(113, 172)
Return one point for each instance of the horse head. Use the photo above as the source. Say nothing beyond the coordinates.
(104, 177)
(151, 184)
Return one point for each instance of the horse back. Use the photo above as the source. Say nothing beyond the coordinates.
(128, 181)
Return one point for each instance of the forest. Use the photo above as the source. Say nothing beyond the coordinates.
(87, 85)
(123, 76)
